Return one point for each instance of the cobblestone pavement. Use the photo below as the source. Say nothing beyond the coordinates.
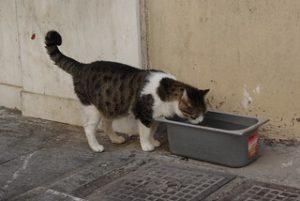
(48, 161)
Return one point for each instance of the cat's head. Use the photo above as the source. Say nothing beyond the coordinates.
(191, 105)
(189, 102)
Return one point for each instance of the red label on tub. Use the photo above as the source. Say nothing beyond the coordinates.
(253, 145)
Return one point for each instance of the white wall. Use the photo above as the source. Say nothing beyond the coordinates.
(91, 30)
(10, 74)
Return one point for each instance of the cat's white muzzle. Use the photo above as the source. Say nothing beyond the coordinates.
(197, 121)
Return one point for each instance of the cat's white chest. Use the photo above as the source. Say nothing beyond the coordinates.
(160, 108)
(164, 110)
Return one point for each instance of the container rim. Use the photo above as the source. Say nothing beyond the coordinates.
(260, 121)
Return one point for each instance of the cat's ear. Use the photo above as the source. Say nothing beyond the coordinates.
(185, 95)
(204, 92)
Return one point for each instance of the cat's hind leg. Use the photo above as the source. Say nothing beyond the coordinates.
(91, 118)
(126, 125)
(108, 130)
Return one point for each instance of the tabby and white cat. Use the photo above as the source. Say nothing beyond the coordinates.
(110, 90)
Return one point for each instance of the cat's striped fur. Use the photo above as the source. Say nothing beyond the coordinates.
(111, 90)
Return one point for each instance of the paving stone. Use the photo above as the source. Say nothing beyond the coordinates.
(44, 160)
(20, 136)
(100, 172)
(39, 167)
(44, 194)
(161, 181)
(252, 190)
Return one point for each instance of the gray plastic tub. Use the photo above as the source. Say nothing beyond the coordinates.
(222, 138)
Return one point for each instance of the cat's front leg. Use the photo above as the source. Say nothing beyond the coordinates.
(145, 137)
(148, 143)
(153, 141)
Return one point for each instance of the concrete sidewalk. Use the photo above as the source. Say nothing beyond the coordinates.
(44, 160)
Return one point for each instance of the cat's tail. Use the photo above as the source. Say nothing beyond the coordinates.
(52, 40)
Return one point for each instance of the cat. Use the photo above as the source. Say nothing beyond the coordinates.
(111, 90)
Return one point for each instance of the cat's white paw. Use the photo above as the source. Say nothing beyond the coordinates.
(118, 140)
(131, 134)
(156, 143)
(147, 147)
(97, 148)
